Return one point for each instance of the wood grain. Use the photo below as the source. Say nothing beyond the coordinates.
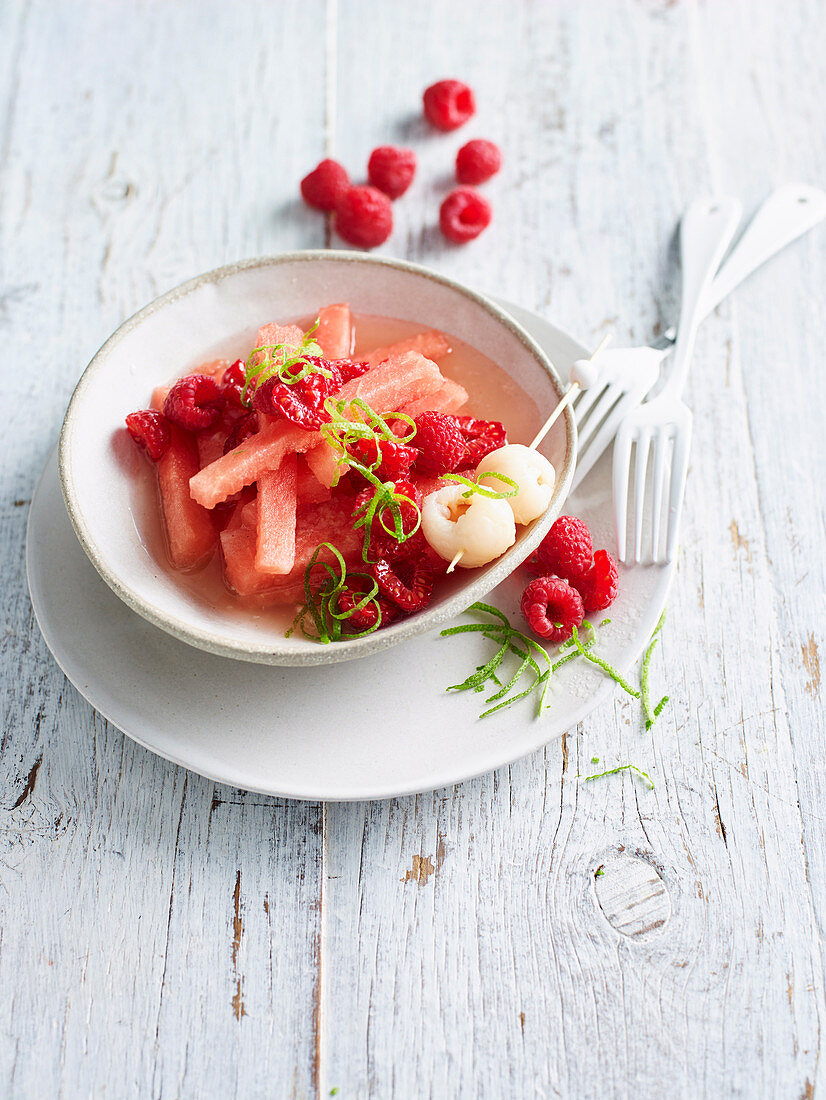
(164, 936)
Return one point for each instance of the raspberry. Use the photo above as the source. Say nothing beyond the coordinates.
(464, 214)
(567, 549)
(384, 544)
(350, 368)
(552, 608)
(324, 187)
(396, 458)
(599, 586)
(481, 437)
(477, 161)
(391, 169)
(303, 402)
(366, 616)
(232, 387)
(193, 402)
(150, 431)
(244, 427)
(441, 443)
(276, 398)
(448, 104)
(364, 217)
(408, 583)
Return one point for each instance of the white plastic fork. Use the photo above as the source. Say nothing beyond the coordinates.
(628, 374)
(663, 425)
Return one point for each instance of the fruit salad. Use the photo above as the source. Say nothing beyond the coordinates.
(346, 485)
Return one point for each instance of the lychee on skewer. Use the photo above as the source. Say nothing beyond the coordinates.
(475, 527)
(461, 528)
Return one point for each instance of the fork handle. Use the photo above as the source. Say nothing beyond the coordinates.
(705, 233)
(787, 214)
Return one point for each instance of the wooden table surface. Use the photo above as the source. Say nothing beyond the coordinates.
(165, 936)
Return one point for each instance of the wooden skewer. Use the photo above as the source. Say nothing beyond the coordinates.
(567, 398)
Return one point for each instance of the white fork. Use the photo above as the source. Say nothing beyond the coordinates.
(663, 425)
(628, 374)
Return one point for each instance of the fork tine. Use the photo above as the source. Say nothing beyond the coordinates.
(622, 466)
(585, 399)
(679, 470)
(599, 411)
(660, 452)
(590, 452)
(640, 468)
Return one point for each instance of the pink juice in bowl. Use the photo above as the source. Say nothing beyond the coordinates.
(491, 394)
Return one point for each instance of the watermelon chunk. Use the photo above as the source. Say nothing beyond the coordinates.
(431, 344)
(389, 386)
(448, 399)
(238, 548)
(210, 445)
(323, 461)
(309, 489)
(190, 531)
(273, 333)
(315, 523)
(335, 331)
(275, 547)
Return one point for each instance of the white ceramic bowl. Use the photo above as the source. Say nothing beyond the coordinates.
(217, 315)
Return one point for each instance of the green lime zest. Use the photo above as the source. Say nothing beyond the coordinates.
(508, 641)
(289, 363)
(609, 670)
(327, 621)
(651, 713)
(474, 486)
(354, 420)
(616, 771)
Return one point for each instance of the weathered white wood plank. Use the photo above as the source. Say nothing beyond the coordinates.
(166, 937)
(159, 935)
(491, 965)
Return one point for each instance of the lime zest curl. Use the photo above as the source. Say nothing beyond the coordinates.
(473, 487)
(327, 619)
(651, 713)
(616, 771)
(288, 363)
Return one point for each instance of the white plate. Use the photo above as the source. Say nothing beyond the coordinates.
(375, 728)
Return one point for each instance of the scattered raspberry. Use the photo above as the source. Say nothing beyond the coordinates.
(408, 583)
(150, 431)
(552, 608)
(448, 104)
(391, 169)
(324, 187)
(567, 549)
(441, 443)
(193, 402)
(599, 586)
(477, 161)
(481, 437)
(464, 214)
(366, 616)
(364, 217)
(396, 458)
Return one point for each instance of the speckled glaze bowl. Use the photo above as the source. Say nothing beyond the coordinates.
(217, 315)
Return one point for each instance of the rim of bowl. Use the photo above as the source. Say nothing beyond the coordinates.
(263, 653)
